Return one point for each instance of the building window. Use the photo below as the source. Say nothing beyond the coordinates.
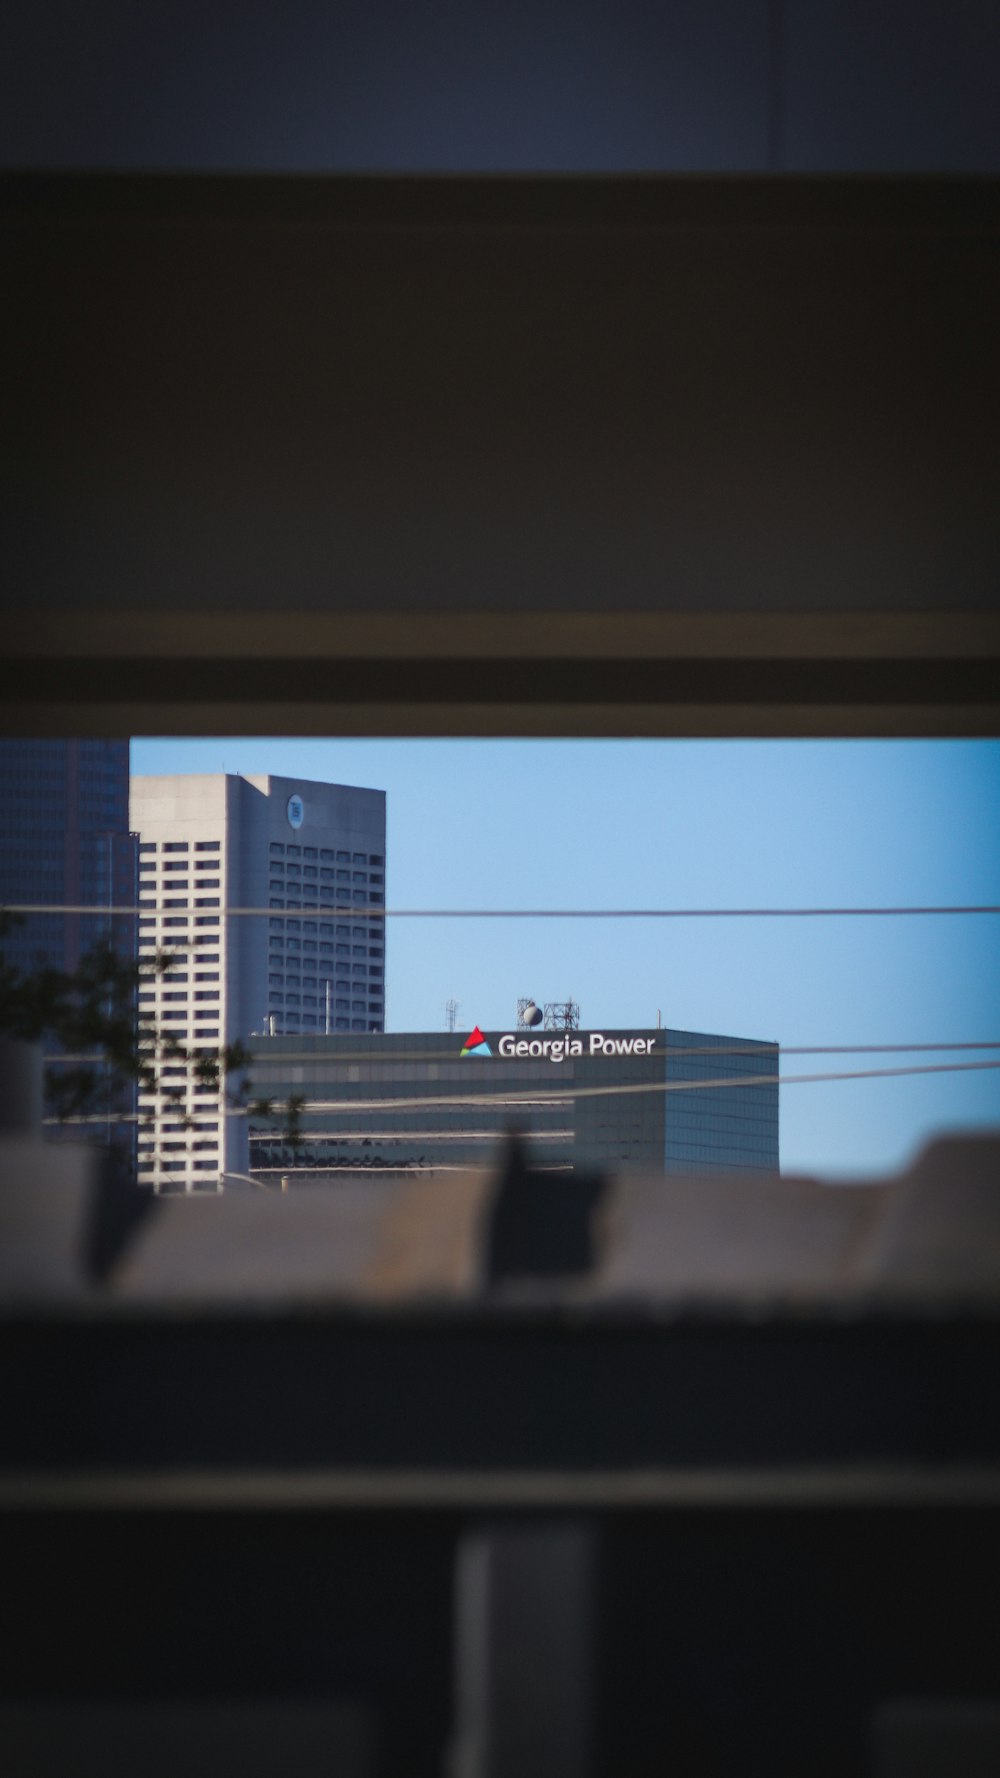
(176, 920)
(294, 851)
(147, 845)
(206, 975)
(340, 1024)
(207, 845)
(176, 901)
(276, 925)
(360, 858)
(277, 849)
(275, 981)
(206, 994)
(175, 846)
(377, 858)
(206, 901)
(207, 883)
(206, 920)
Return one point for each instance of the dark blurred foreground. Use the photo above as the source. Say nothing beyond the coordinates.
(457, 1478)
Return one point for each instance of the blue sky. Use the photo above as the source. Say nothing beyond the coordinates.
(632, 824)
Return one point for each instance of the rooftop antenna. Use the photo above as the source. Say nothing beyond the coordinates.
(562, 1015)
(528, 1014)
(450, 1011)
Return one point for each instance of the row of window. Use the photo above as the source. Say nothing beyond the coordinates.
(374, 928)
(175, 884)
(341, 1005)
(359, 897)
(179, 1166)
(201, 901)
(173, 920)
(322, 873)
(178, 996)
(310, 1023)
(326, 854)
(319, 982)
(294, 944)
(180, 845)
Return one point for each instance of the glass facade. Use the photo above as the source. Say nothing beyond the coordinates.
(65, 843)
(64, 839)
(364, 1103)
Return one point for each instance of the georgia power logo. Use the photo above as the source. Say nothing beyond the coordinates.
(559, 1049)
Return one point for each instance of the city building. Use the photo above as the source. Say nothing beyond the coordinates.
(65, 846)
(271, 894)
(586, 1099)
(65, 842)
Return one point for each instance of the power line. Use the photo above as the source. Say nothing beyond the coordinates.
(563, 1095)
(369, 1057)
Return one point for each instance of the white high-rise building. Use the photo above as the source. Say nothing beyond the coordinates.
(311, 855)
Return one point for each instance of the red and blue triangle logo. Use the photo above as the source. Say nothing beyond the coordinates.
(476, 1044)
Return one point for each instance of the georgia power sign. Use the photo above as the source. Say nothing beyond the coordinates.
(558, 1049)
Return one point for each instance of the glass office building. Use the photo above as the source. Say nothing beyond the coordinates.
(65, 846)
(65, 843)
(679, 1101)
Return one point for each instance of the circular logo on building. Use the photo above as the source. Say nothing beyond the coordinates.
(295, 811)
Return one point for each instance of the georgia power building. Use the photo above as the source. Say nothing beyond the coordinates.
(310, 859)
(420, 1101)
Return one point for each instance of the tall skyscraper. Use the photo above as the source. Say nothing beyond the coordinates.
(65, 844)
(313, 856)
(65, 841)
